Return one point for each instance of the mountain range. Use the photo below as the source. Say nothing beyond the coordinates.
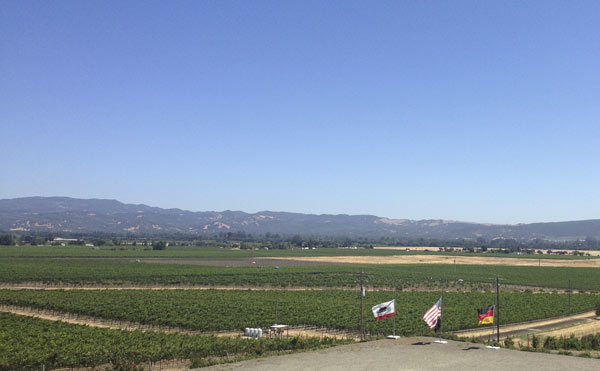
(81, 216)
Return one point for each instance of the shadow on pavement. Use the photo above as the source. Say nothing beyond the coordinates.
(421, 343)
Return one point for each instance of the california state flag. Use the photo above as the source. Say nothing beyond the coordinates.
(384, 310)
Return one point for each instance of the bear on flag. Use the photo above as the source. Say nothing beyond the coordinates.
(384, 310)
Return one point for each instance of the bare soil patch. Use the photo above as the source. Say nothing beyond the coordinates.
(442, 259)
(245, 262)
(413, 248)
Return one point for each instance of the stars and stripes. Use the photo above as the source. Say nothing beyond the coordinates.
(434, 313)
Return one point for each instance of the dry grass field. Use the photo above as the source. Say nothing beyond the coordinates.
(429, 248)
(442, 259)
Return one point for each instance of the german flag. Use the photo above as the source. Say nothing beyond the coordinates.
(486, 315)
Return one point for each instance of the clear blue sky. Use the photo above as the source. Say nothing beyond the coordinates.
(467, 110)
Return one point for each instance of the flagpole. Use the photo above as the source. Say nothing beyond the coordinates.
(441, 323)
(497, 310)
(362, 321)
(395, 309)
(442, 307)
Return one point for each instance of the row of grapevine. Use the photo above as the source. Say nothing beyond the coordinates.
(112, 271)
(215, 310)
(28, 343)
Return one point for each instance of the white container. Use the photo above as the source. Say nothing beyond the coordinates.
(259, 332)
(246, 331)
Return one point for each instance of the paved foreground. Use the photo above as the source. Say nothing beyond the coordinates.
(415, 354)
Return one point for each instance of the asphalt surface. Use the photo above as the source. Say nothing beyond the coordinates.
(415, 354)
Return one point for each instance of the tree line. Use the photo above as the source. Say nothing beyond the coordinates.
(276, 241)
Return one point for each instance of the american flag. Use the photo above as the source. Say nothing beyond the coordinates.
(433, 314)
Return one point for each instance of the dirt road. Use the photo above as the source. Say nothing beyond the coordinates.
(538, 327)
(414, 354)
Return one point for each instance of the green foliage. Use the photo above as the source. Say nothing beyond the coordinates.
(7, 239)
(159, 245)
(215, 310)
(588, 342)
(28, 343)
(115, 271)
(535, 341)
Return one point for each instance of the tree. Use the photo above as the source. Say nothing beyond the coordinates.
(98, 241)
(159, 245)
(591, 242)
(297, 241)
(7, 239)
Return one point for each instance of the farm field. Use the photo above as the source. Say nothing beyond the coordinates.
(446, 259)
(217, 310)
(229, 254)
(127, 272)
(27, 343)
(223, 291)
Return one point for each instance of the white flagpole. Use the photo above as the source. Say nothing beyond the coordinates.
(440, 341)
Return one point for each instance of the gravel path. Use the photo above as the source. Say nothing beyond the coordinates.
(415, 354)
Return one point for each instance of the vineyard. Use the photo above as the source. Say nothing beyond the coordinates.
(227, 253)
(215, 310)
(27, 343)
(305, 296)
(123, 271)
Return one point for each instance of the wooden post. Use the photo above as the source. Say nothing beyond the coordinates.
(569, 296)
(276, 305)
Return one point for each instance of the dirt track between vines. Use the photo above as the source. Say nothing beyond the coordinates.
(83, 320)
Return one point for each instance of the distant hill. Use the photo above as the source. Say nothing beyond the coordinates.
(64, 214)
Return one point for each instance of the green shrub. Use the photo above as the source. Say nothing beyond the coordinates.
(535, 342)
(551, 343)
